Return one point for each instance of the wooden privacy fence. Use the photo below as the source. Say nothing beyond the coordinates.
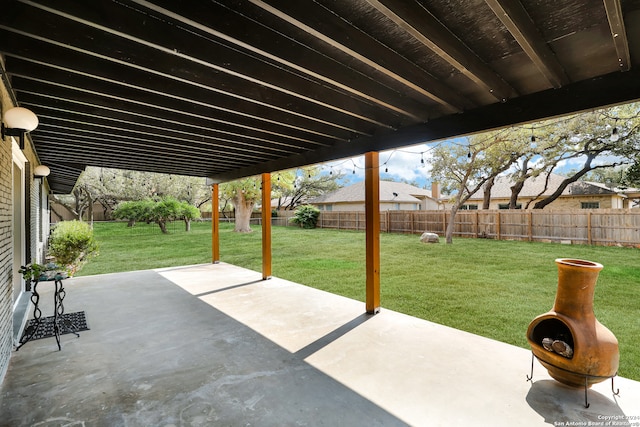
(593, 227)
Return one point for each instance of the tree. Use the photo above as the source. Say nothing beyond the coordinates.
(132, 211)
(632, 175)
(304, 184)
(463, 170)
(188, 213)
(612, 177)
(160, 212)
(522, 148)
(109, 187)
(244, 194)
(597, 140)
(291, 186)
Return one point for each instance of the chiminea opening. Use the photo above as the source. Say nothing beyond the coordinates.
(555, 330)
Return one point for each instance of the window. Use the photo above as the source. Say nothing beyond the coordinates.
(469, 207)
(506, 206)
(590, 205)
(329, 208)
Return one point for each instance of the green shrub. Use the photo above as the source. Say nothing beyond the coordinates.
(72, 244)
(134, 210)
(306, 216)
(160, 212)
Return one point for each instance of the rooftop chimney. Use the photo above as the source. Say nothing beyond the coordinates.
(435, 190)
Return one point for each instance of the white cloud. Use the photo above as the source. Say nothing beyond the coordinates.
(409, 164)
(404, 164)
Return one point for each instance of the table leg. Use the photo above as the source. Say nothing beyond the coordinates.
(37, 313)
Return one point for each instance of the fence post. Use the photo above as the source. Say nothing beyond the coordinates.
(477, 224)
(498, 225)
(412, 219)
(589, 238)
(444, 221)
(530, 230)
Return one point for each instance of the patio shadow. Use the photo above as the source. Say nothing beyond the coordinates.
(158, 355)
(558, 404)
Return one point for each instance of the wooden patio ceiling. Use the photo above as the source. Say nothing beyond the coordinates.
(226, 89)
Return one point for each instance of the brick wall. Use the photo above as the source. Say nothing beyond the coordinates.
(6, 248)
(563, 202)
(36, 231)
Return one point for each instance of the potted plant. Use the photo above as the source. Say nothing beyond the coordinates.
(35, 272)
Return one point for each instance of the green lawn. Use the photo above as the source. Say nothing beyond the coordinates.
(491, 288)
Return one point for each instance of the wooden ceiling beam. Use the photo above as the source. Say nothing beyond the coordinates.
(84, 151)
(613, 88)
(189, 126)
(618, 33)
(113, 135)
(273, 47)
(335, 34)
(126, 99)
(516, 19)
(125, 163)
(80, 120)
(147, 84)
(72, 137)
(424, 27)
(162, 50)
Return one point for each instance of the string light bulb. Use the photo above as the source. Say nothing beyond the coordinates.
(614, 132)
(614, 135)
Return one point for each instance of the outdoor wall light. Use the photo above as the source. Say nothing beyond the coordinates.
(41, 171)
(18, 121)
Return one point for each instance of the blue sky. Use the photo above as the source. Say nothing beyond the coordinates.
(400, 164)
(406, 164)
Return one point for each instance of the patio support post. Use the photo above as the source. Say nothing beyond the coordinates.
(372, 214)
(266, 226)
(215, 224)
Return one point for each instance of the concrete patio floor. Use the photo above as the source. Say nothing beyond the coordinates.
(214, 345)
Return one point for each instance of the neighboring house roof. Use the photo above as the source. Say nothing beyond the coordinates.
(405, 193)
(534, 186)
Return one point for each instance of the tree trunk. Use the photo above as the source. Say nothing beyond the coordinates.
(187, 224)
(486, 202)
(244, 208)
(451, 225)
(163, 226)
(586, 168)
(515, 192)
(90, 212)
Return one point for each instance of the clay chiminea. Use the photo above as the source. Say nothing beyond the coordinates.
(576, 349)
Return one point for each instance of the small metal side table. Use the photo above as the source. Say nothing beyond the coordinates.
(60, 323)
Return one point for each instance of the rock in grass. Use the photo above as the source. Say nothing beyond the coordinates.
(429, 238)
